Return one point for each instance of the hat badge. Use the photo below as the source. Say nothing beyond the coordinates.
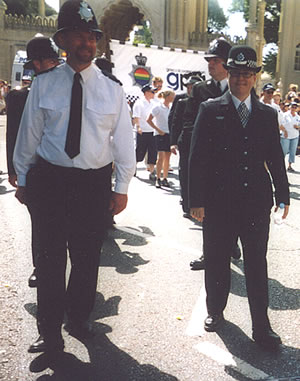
(240, 57)
(85, 12)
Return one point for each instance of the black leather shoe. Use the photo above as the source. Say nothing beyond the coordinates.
(267, 339)
(198, 264)
(32, 281)
(212, 322)
(236, 254)
(41, 346)
(82, 330)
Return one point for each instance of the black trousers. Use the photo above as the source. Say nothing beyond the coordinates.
(219, 237)
(184, 143)
(68, 206)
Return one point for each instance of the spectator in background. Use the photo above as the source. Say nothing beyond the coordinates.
(267, 98)
(145, 140)
(159, 115)
(291, 126)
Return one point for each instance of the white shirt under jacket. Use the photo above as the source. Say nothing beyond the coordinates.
(106, 133)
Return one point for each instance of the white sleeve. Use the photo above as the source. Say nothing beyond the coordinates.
(137, 110)
(29, 134)
(123, 147)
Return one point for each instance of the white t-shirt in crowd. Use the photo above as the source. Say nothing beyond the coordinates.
(161, 113)
(142, 109)
(288, 123)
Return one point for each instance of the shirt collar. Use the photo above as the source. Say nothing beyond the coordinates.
(223, 83)
(237, 102)
(84, 73)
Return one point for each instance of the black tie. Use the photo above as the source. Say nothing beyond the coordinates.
(219, 86)
(72, 146)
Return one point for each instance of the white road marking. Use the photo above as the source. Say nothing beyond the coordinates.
(196, 323)
(224, 357)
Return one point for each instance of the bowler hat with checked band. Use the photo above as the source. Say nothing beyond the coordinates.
(242, 57)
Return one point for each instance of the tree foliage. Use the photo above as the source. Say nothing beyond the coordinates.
(216, 17)
(26, 8)
(269, 62)
(272, 16)
(144, 35)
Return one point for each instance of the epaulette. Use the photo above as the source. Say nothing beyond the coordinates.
(47, 71)
(111, 76)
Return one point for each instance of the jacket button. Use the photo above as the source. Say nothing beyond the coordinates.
(246, 168)
(245, 184)
(246, 153)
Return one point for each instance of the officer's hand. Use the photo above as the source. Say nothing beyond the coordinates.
(21, 194)
(12, 179)
(198, 214)
(118, 203)
(285, 212)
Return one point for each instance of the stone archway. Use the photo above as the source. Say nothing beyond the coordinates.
(117, 18)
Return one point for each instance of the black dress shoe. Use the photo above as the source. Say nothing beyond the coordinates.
(236, 254)
(198, 264)
(267, 339)
(212, 322)
(82, 330)
(41, 346)
(32, 281)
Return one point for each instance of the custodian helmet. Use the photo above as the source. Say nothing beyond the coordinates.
(77, 14)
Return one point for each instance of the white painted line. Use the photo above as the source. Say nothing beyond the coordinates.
(196, 324)
(223, 357)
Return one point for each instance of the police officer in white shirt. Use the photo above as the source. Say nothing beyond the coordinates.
(64, 174)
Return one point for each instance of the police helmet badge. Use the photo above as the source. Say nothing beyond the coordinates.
(141, 74)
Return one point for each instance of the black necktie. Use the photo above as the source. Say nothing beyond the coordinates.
(219, 86)
(72, 146)
(243, 113)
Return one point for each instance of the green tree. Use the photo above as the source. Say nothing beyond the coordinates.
(144, 35)
(269, 62)
(272, 16)
(216, 17)
(26, 8)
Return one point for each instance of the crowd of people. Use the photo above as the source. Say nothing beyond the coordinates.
(61, 151)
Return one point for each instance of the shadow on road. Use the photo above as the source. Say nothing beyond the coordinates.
(281, 298)
(107, 361)
(283, 362)
(125, 262)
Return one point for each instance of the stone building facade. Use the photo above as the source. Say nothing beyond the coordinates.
(288, 62)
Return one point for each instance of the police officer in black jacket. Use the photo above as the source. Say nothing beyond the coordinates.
(180, 140)
(235, 152)
(215, 56)
(42, 55)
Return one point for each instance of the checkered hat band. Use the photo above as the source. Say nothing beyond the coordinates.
(247, 63)
(132, 98)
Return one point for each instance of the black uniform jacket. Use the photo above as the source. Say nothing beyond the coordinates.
(201, 91)
(227, 169)
(177, 122)
(16, 100)
(173, 109)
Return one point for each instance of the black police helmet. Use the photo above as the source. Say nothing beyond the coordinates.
(40, 48)
(218, 48)
(77, 15)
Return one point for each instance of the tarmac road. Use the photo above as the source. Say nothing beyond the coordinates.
(150, 306)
